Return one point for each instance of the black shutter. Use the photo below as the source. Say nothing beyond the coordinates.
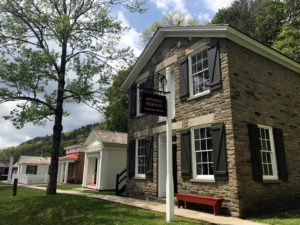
(219, 151)
(280, 154)
(255, 152)
(186, 171)
(149, 84)
(35, 170)
(133, 93)
(149, 157)
(184, 79)
(131, 159)
(214, 65)
(27, 169)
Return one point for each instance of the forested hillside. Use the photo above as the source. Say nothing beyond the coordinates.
(34, 147)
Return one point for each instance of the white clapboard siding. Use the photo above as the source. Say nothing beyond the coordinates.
(113, 162)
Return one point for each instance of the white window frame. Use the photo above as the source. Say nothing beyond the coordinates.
(273, 154)
(163, 118)
(192, 96)
(194, 167)
(139, 175)
(141, 79)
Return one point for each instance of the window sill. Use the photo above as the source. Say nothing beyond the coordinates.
(271, 182)
(203, 180)
(199, 95)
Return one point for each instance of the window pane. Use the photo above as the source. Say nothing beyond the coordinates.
(196, 133)
(206, 75)
(205, 64)
(203, 132)
(199, 58)
(193, 59)
(197, 145)
(203, 145)
(268, 146)
(268, 156)
(198, 157)
(206, 86)
(204, 157)
(196, 79)
(208, 132)
(205, 169)
(211, 169)
(199, 66)
(193, 68)
(270, 169)
(263, 145)
(199, 169)
(265, 169)
(209, 143)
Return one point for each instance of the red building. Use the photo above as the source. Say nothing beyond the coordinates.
(70, 168)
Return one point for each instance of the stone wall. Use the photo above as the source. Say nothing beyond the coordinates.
(264, 92)
(215, 107)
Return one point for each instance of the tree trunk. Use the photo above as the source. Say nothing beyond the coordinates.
(57, 129)
(56, 139)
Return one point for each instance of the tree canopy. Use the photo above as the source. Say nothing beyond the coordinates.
(170, 19)
(116, 112)
(273, 22)
(57, 51)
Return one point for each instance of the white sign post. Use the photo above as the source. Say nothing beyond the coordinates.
(169, 181)
(10, 168)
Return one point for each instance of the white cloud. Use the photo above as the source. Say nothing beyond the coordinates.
(203, 17)
(214, 5)
(169, 5)
(129, 37)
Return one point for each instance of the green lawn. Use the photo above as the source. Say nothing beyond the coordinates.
(291, 217)
(32, 206)
(2, 182)
(68, 186)
(64, 186)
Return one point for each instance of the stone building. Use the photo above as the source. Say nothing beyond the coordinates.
(236, 120)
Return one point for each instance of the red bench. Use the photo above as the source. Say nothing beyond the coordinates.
(212, 201)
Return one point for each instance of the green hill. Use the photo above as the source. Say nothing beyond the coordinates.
(34, 147)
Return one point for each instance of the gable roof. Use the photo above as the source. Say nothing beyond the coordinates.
(34, 160)
(108, 137)
(221, 31)
(4, 163)
(111, 137)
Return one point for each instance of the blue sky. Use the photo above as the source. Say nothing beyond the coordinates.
(80, 114)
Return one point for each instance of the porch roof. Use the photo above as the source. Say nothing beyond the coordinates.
(70, 156)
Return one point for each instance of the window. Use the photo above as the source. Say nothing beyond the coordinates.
(202, 153)
(140, 156)
(31, 169)
(199, 77)
(267, 152)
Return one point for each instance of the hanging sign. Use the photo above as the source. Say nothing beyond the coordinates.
(153, 104)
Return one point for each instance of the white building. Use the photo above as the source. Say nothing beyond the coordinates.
(33, 170)
(105, 157)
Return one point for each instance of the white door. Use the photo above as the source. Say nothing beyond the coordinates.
(162, 165)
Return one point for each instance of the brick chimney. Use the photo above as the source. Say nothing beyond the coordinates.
(43, 153)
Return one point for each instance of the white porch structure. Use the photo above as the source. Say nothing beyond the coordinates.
(63, 170)
(105, 156)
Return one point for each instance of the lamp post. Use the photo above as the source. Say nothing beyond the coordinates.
(169, 181)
